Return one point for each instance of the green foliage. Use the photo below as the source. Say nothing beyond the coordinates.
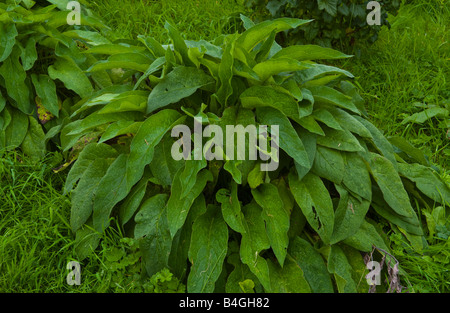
(41, 72)
(337, 23)
(219, 224)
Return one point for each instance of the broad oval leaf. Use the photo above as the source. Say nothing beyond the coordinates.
(276, 218)
(209, 245)
(180, 83)
(314, 200)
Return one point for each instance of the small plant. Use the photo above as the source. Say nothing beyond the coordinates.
(219, 224)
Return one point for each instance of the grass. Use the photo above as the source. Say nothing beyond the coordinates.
(198, 19)
(406, 71)
(34, 230)
(36, 241)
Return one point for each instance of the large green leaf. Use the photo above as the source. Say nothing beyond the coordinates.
(314, 200)
(89, 154)
(16, 129)
(14, 76)
(276, 218)
(29, 54)
(289, 140)
(380, 141)
(251, 37)
(426, 181)
(83, 195)
(391, 186)
(153, 233)
(287, 279)
(271, 67)
(349, 215)
(111, 190)
(188, 177)
(180, 83)
(329, 96)
(8, 34)
(312, 265)
(329, 164)
(209, 244)
(365, 238)
(178, 43)
(342, 270)
(46, 90)
(254, 240)
(33, 144)
(163, 166)
(177, 206)
(148, 136)
(133, 201)
(340, 140)
(71, 75)
(225, 73)
(356, 175)
(267, 96)
(178, 258)
(231, 207)
(309, 52)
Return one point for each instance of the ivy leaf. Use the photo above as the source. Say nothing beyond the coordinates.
(328, 5)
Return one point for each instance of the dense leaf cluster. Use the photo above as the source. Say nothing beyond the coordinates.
(224, 225)
(41, 70)
(337, 23)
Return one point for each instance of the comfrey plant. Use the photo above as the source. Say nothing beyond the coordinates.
(220, 222)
